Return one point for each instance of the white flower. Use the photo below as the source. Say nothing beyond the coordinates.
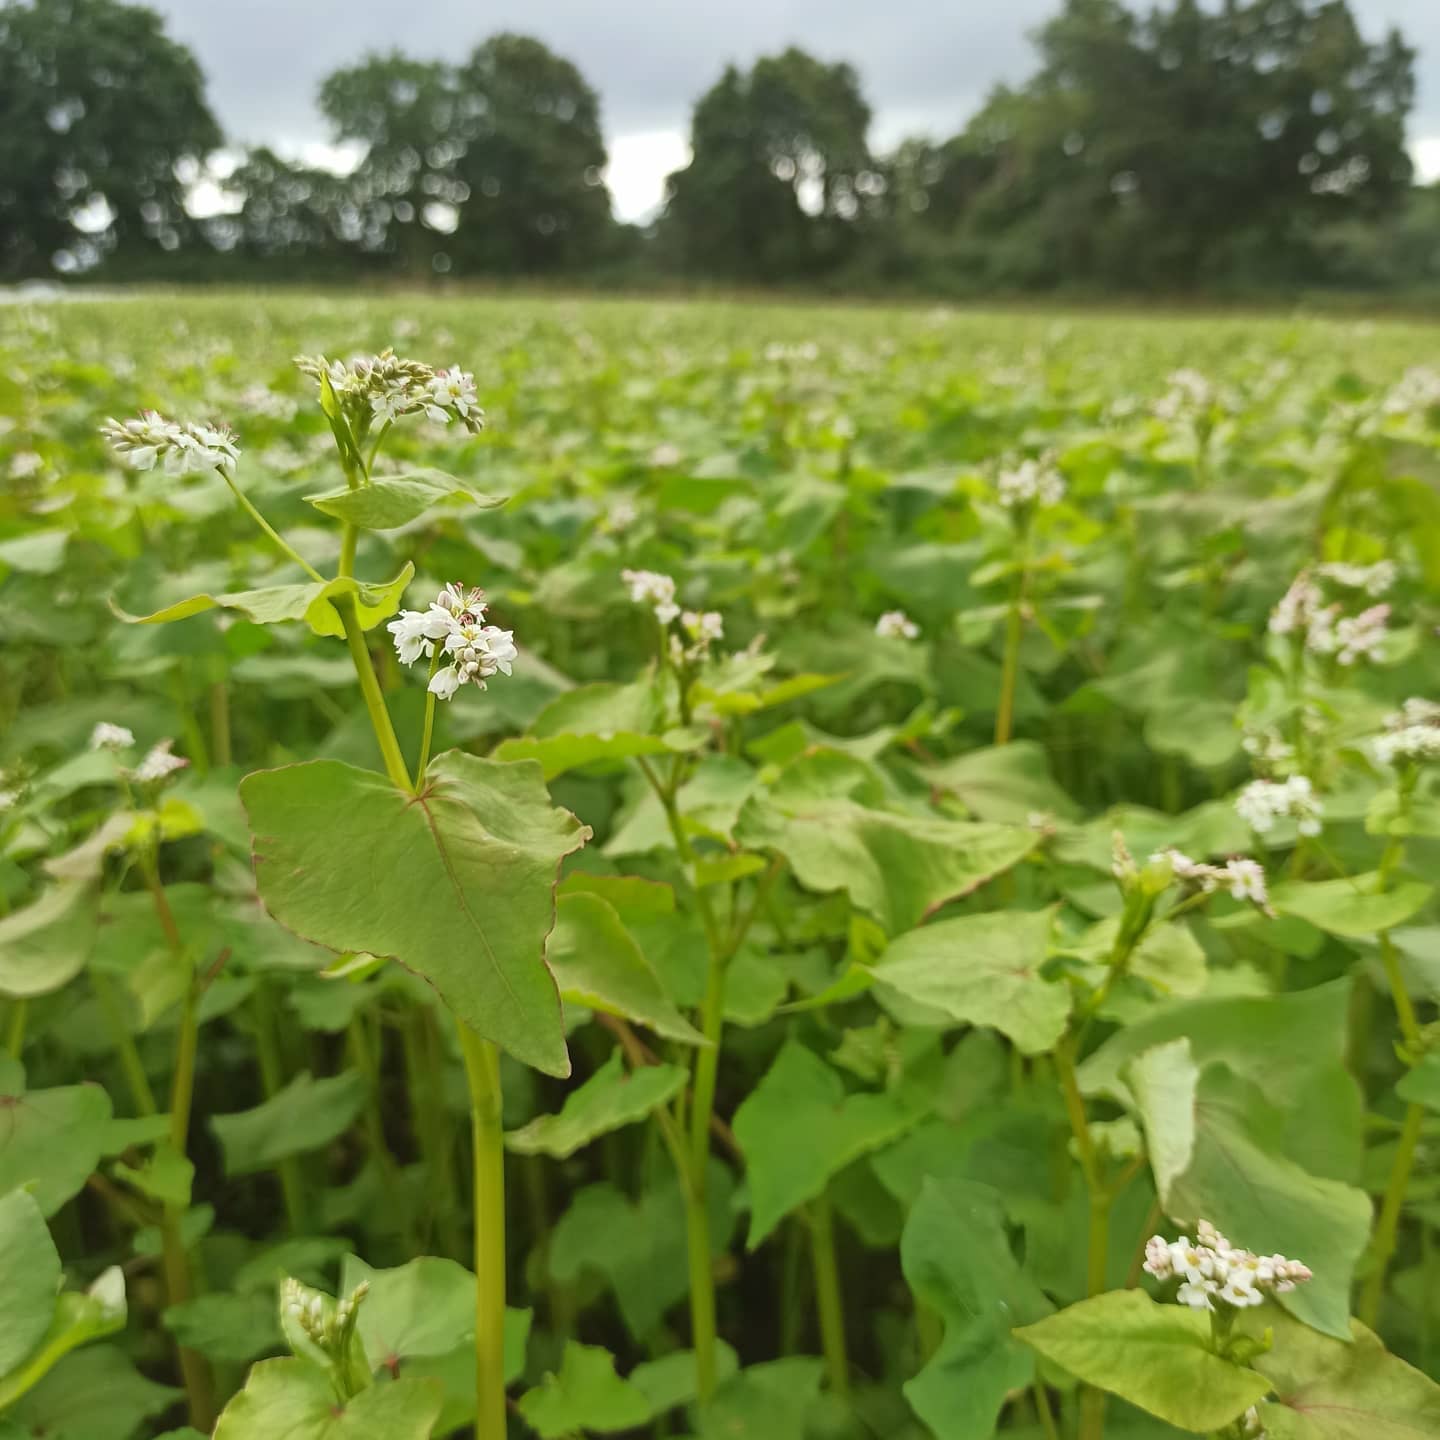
(1246, 879)
(621, 515)
(1030, 482)
(444, 683)
(1297, 607)
(1417, 391)
(452, 397)
(183, 449)
(25, 463)
(1373, 579)
(648, 587)
(1212, 1269)
(387, 387)
(1361, 636)
(663, 456)
(8, 800)
(1412, 733)
(106, 736)
(158, 764)
(1262, 802)
(896, 625)
(702, 629)
(1189, 390)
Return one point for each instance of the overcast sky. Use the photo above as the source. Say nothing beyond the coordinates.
(926, 65)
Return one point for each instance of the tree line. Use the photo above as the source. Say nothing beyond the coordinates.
(1258, 144)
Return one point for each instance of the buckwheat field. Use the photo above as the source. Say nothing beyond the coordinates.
(796, 873)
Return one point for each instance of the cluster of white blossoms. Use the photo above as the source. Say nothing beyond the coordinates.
(1189, 391)
(182, 449)
(454, 621)
(158, 764)
(1211, 1269)
(1262, 802)
(24, 464)
(701, 629)
(307, 1309)
(1411, 733)
(896, 625)
(386, 387)
(1417, 391)
(1302, 610)
(1374, 579)
(649, 587)
(1031, 482)
(106, 736)
(1270, 749)
(1242, 877)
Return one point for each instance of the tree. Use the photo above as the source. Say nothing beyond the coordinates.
(533, 161)
(780, 176)
(1180, 148)
(101, 114)
(405, 191)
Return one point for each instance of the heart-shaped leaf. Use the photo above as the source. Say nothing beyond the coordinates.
(389, 501)
(457, 883)
(293, 1398)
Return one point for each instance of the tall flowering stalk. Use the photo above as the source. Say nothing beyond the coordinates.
(363, 400)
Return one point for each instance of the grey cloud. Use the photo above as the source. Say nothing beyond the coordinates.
(926, 64)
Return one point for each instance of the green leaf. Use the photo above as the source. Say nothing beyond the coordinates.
(1168, 957)
(1421, 1086)
(1355, 908)
(586, 1395)
(981, 970)
(1009, 783)
(957, 1260)
(389, 501)
(1157, 1357)
(1217, 1151)
(425, 1307)
(166, 1175)
(29, 1278)
(47, 944)
(51, 1140)
(1353, 1389)
(314, 603)
(93, 1394)
(229, 1329)
(469, 871)
(639, 1247)
(456, 1371)
(608, 1100)
(305, 1115)
(764, 1402)
(1203, 732)
(597, 964)
(896, 868)
(293, 1399)
(589, 724)
(671, 1381)
(798, 1127)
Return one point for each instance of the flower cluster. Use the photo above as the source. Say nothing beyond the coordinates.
(1212, 1269)
(386, 387)
(702, 628)
(106, 736)
(1031, 482)
(454, 621)
(159, 764)
(648, 587)
(1302, 611)
(896, 625)
(1417, 391)
(1242, 877)
(183, 449)
(1374, 579)
(1189, 391)
(307, 1308)
(1262, 802)
(1411, 733)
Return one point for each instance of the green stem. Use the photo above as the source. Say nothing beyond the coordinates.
(270, 530)
(1042, 1407)
(1092, 1401)
(124, 1042)
(482, 1074)
(828, 1298)
(429, 731)
(272, 1081)
(15, 1031)
(349, 536)
(370, 689)
(1400, 994)
(1014, 633)
(1387, 1228)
